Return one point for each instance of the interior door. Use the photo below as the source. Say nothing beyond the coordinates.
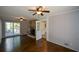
(38, 31)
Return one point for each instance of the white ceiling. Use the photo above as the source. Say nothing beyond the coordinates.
(9, 11)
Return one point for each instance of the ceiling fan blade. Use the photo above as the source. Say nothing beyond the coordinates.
(31, 10)
(42, 14)
(34, 13)
(46, 11)
(39, 10)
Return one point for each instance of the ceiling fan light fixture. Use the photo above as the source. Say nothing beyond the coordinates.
(39, 12)
(21, 19)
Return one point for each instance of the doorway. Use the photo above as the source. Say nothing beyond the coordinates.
(41, 27)
(12, 28)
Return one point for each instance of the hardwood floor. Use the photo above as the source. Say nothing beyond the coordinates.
(28, 44)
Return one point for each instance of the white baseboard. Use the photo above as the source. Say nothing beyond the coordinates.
(63, 45)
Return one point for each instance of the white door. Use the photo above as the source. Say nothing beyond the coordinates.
(38, 31)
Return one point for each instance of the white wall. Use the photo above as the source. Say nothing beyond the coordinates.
(63, 29)
(0, 31)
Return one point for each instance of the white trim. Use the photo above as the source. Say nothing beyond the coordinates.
(62, 45)
(47, 29)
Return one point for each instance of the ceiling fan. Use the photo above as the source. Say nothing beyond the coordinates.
(21, 18)
(39, 10)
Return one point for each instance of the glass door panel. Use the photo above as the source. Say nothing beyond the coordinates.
(16, 28)
(8, 29)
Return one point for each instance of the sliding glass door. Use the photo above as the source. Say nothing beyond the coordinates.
(12, 28)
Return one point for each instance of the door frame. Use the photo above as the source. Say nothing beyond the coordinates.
(46, 27)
